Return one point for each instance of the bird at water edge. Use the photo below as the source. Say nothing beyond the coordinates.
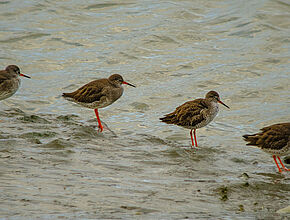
(195, 114)
(10, 81)
(98, 94)
(273, 139)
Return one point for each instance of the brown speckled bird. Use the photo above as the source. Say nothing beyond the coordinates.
(195, 114)
(98, 94)
(9, 81)
(274, 139)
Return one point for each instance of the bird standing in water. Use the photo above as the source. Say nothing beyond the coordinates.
(10, 81)
(274, 139)
(98, 94)
(195, 114)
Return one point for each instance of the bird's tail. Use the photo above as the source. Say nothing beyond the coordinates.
(251, 139)
(69, 95)
(169, 118)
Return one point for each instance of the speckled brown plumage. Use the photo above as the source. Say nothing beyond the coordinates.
(195, 114)
(93, 91)
(98, 93)
(9, 81)
(274, 139)
(188, 114)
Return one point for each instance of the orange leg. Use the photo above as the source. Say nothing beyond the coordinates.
(195, 137)
(274, 157)
(101, 128)
(282, 164)
(191, 138)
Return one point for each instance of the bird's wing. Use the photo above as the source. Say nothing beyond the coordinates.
(88, 93)
(274, 137)
(187, 114)
(3, 79)
(190, 113)
(3, 76)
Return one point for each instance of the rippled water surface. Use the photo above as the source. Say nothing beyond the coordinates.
(53, 162)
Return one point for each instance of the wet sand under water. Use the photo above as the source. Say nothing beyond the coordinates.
(56, 166)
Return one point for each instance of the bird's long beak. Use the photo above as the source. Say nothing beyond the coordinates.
(223, 103)
(128, 84)
(24, 75)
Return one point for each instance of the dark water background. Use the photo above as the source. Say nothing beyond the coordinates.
(53, 163)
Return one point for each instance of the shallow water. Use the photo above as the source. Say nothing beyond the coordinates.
(54, 163)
